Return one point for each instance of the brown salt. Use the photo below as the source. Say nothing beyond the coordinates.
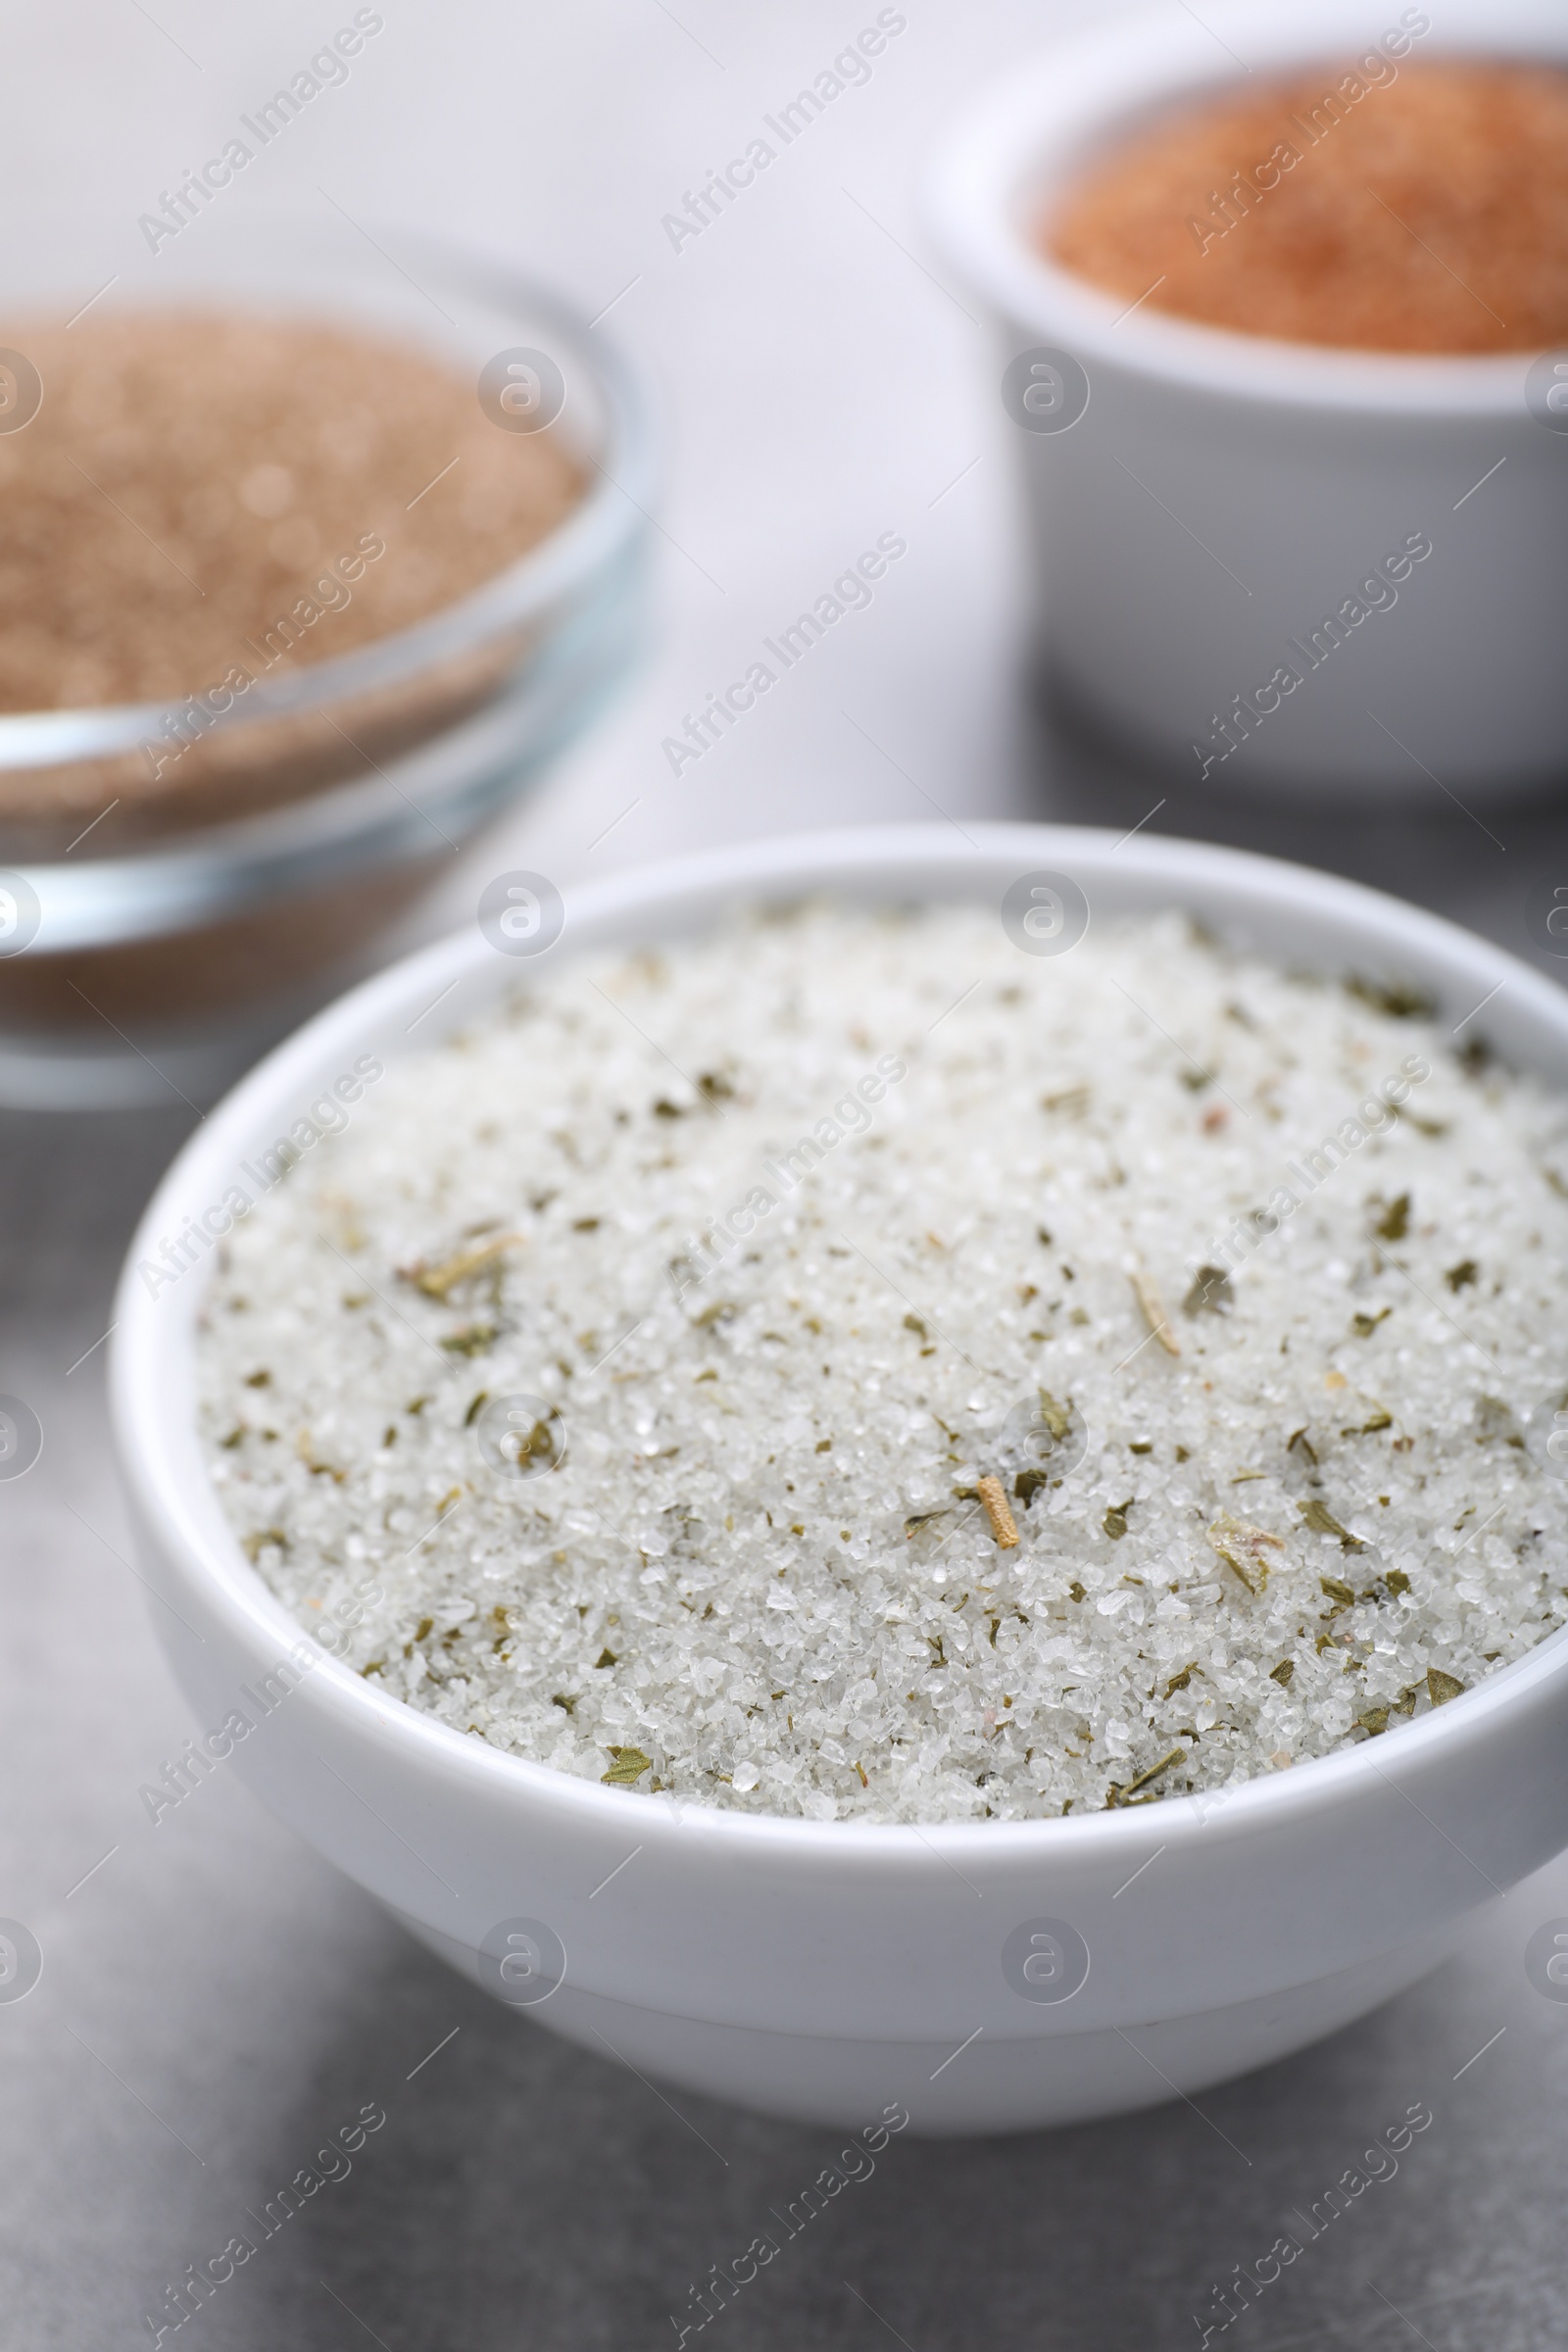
(205, 498)
(1418, 208)
(202, 503)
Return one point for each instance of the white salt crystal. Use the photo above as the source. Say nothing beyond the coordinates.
(734, 1569)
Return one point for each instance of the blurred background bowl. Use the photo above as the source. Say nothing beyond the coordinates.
(347, 785)
(1197, 498)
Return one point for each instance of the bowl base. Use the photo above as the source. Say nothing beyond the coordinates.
(955, 2089)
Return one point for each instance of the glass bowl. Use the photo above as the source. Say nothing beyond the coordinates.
(147, 943)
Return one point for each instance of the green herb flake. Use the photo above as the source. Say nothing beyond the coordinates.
(560, 1698)
(1076, 1591)
(1114, 1522)
(1282, 1672)
(1027, 1484)
(1338, 1591)
(1058, 1418)
(1179, 1682)
(472, 1340)
(1440, 1686)
(1400, 999)
(1464, 1274)
(477, 1408)
(627, 1764)
(1375, 1420)
(1395, 1222)
(1374, 1721)
(606, 1658)
(1321, 1520)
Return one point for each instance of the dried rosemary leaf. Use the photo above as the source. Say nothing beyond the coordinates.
(1114, 1522)
(437, 1280)
(1364, 1326)
(1377, 1419)
(914, 1324)
(1154, 1312)
(1212, 1293)
(1395, 1222)
(1465, 1273)
(1397, 1581)
(1321, 1520)
(627, 1765)
(1179, 1682)
(1239, 1543)
(1374, 1721)
(1282, 1672)
(1440, 1686)
(1076, 1591)
(1338, 1591)
(1027, 1484)
(1300, 1438)
(477, 1408)
(560, 1698)
(1174, 1755)
(606, 1658)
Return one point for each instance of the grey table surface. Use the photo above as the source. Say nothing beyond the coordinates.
(214, 1999)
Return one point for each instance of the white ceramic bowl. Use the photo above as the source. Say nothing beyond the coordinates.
(1223, 493)
(826, 1970)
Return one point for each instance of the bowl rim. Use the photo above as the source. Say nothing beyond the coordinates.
(1056, 103)
(158, 1452)
(609, 516)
